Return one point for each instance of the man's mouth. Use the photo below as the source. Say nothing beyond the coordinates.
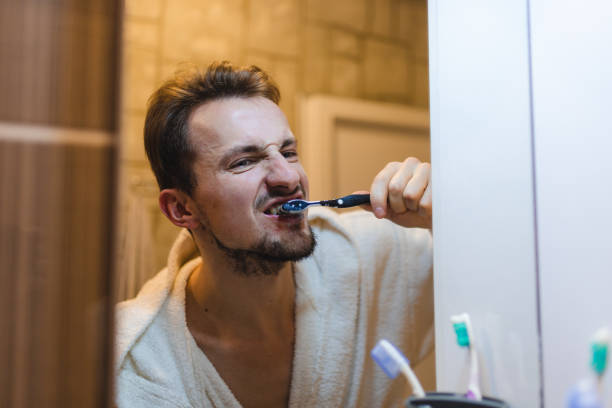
(276, 210)
(273, 206)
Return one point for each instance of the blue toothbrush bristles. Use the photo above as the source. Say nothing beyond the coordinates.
(388, 357)
(393, 362)
(294, 206)
(584, 395)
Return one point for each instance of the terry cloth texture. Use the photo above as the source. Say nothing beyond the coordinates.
(367, 279)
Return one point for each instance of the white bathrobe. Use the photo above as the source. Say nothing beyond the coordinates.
(368, 279)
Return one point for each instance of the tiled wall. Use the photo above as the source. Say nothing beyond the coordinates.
(369, 49)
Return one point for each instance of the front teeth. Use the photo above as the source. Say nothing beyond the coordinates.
(274, 210)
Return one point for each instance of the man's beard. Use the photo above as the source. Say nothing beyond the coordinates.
(267, 257)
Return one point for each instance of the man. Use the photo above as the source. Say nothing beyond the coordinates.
(248, 312)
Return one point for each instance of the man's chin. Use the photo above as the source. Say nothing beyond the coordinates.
(291, 246)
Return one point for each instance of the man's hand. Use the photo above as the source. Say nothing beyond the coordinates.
(401, 192)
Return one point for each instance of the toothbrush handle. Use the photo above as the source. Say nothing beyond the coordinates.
(352, 200)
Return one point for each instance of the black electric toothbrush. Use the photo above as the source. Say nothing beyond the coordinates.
(353, 200)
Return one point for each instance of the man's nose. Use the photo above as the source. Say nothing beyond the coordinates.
(283, 174)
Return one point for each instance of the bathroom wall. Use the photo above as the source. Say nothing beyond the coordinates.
(366, 49)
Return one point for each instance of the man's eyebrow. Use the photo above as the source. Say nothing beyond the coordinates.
(241, 149)
(288, 142)
(237, 150)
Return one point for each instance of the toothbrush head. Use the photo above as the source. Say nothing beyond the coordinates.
(463, 329)
(599, 350)
(389, 358)
(294, 206)
(584, 395)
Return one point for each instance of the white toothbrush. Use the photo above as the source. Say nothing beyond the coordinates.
(392, 361)
(465, 338)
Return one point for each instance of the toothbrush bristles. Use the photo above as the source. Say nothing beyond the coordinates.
(599, 350)
(463, 329)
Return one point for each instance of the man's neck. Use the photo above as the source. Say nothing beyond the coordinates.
(226, 302)
(245, 325)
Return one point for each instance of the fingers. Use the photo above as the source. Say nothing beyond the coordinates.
(402, 190)
(415, 188)
(379, 189)
(425, 204)
(402, 187)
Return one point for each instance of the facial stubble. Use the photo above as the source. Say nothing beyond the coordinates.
(268, 256)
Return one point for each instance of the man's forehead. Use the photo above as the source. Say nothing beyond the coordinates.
(232, 123)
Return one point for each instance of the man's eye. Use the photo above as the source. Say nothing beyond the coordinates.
(242, 163)
(290, 154)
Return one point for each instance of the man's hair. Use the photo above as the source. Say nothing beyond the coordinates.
(166, 130)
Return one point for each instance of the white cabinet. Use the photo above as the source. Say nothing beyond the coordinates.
(521, 135)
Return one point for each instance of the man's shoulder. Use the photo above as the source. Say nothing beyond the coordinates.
(146, 364)
(134, 316)
(150, 295)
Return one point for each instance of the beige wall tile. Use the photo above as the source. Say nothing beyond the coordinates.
(132, 141)
(347, 13)
(273, 26)
(421, 84)
(143, 8)
(345, 43)
(405, 20)
(169, 68)
(387, 71)
(316, 71)
(202, 30)
(204, 49)
(263, 61)
(285, 73)
(420, 34)
(412, 26)
(140, 77)
(345, 77)
(381, 18)
(141, 33)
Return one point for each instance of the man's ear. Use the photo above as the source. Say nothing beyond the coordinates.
(177, 206)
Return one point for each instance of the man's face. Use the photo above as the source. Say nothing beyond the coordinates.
(246, 165)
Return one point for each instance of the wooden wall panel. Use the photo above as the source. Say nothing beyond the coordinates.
(58, 108)
(55, 280)
(59, 62)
